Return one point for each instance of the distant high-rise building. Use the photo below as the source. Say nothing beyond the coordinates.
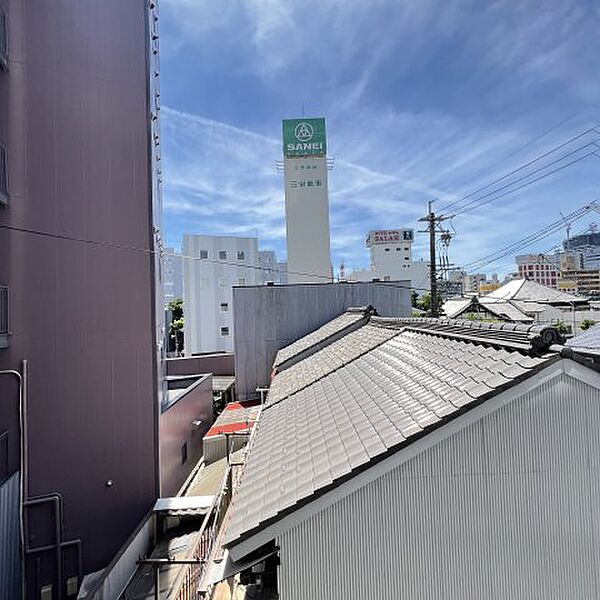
(588, 245)
(391, 259)
(212, 267)
(306, 201)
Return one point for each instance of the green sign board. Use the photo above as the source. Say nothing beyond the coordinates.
(304, 137)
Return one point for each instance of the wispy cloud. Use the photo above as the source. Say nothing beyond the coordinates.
(422, 103)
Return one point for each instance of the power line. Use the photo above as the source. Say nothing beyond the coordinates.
(162, 253)
(529, 240)
(524, 166)
(480, 204)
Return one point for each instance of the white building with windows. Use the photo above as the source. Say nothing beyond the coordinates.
(392, 260)
(212, 267)
(272, 270)
(172, 275)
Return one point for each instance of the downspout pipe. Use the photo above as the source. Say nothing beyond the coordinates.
(23, 471)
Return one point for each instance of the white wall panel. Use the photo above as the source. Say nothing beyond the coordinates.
(506, 508)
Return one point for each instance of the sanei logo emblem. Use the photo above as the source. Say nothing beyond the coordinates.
(304, 132)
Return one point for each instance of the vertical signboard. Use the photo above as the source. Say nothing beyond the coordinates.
(304, 137)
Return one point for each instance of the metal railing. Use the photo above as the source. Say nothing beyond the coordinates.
(186, 587)
(4, 323)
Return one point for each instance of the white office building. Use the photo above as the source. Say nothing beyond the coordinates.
(306, 201)
(172, 275)
(392, 260)
(272, 270)
(217, 264)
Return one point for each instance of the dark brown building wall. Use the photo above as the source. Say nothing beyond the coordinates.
(74, 117)
(176, 430)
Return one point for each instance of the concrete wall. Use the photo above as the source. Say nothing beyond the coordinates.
(74, 115)
(270, 317)
(176, 429)
(217, 364)
(504, 508)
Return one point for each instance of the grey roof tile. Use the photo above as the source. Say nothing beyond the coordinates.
(357, 399)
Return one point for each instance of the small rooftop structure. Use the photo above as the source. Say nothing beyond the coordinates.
(231, 430)
(526, 290)
(482, 307)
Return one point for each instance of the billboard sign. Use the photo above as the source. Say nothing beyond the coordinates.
(304, 137)
(386, 236)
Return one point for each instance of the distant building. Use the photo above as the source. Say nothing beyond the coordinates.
(272, 271)
(172, 275)
(306, 200)
(216, 264)
(588, 245)
(541, 268)
(391, 259)
(267, 318)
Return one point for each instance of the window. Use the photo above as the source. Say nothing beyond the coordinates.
(3, 41)
(203, 254)
(387, 249)
(224, 331)
(241, 255)
(224, 306)
(406, 258)
(3, 176)
(184, 453)
(242, 281)
(398, 249)
(223, 282)
(222, 255)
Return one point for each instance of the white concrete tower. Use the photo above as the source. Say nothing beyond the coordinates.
(306, 201)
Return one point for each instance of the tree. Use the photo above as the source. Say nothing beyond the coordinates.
(425, 302)
(414, 299)
(176, 325)
(586, 324)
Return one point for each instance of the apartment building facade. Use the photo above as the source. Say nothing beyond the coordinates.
(80, 364)
(212, 267)
(541, 268)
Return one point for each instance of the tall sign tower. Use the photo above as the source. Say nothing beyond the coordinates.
(306, 201)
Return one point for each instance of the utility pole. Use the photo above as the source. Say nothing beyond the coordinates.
(432, 222)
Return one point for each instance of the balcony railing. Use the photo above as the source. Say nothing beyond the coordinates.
(186, 587)
(4, 323)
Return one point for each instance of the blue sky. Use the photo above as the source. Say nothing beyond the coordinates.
(423, 100)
